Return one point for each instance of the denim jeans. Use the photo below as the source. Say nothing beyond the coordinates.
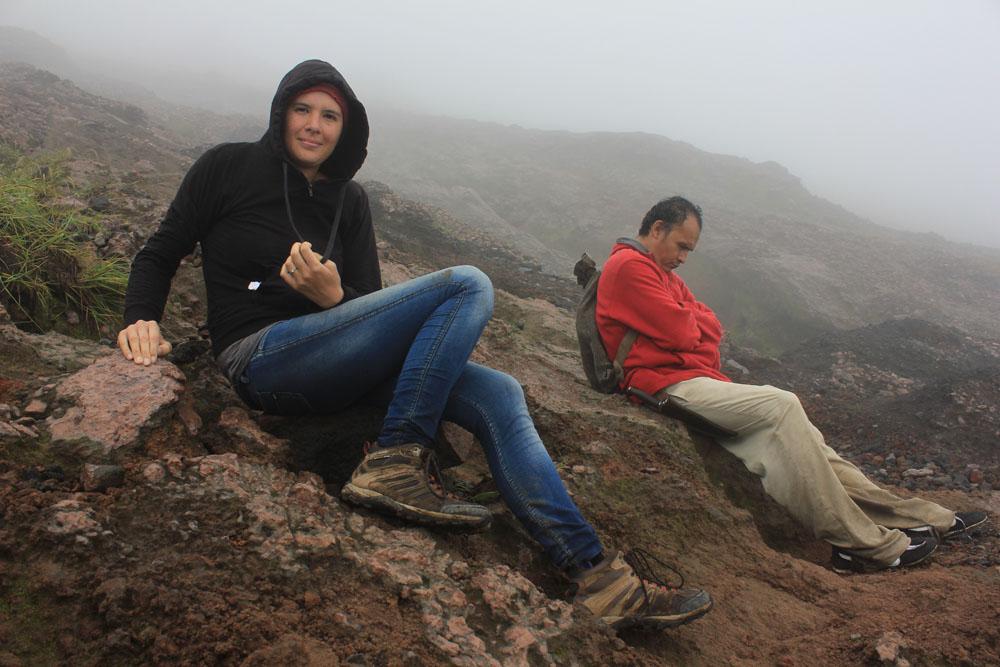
(407, 348)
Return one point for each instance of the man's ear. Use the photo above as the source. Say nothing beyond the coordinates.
(657, 229)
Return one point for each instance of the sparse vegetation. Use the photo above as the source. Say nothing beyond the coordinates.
(48, 269)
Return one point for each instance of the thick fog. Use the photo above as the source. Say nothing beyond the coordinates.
(889, 108)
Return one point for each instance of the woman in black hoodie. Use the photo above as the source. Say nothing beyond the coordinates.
(300, 324)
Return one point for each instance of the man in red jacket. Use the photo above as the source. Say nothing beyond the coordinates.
(677, 353)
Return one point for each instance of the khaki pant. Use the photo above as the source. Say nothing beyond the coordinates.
(800, 471)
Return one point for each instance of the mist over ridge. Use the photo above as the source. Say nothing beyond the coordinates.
(885, 108)
(777, 263)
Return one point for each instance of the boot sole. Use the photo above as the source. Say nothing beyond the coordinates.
(362, 497)
(658, 622)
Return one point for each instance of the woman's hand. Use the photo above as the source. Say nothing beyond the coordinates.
(320, 283)
(141, 342)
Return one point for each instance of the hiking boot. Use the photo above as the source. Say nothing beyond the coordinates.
(622, 591)
(843, 561)
(403, 480)
(964, 522)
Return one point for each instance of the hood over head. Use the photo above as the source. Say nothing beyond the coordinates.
(352, 149)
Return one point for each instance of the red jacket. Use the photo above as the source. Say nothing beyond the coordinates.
(678, 336)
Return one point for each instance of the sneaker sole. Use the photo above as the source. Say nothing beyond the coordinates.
(656, 622)
(357, 495)
(860, 566)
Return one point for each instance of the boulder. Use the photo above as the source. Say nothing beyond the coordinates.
(114, 400)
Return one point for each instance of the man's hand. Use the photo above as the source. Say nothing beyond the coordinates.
(141, 342)
(320, 283)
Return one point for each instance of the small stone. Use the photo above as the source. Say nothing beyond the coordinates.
(737, 366)
(889, 646)
(579, 469)
(143, 167)
(718, 515)
(154, 473)
(101, 477)
(8, 433)
(36, 408)
(99, 203)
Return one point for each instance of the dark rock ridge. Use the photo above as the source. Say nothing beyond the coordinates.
(147, 517)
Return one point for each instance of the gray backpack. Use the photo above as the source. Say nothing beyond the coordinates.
(604, 374)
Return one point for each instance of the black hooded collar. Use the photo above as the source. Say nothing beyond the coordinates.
(352, 149)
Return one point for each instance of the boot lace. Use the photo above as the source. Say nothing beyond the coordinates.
(432, 473)
(642, 564)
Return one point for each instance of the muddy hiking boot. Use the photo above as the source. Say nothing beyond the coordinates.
(404, 480)
(843, 561)
(624, 592)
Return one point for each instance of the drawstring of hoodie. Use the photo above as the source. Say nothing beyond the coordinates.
(336, 217)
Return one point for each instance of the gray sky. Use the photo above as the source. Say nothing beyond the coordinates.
(888, 107)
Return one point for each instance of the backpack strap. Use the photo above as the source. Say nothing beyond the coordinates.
(630, 334)
(623, 349)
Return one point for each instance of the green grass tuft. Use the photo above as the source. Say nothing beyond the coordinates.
(48, 267)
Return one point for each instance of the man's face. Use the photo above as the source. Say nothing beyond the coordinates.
(670, 249)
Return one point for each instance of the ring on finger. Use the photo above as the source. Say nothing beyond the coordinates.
(291, 270)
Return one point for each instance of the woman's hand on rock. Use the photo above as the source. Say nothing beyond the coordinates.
(142, 342)
(318, 282)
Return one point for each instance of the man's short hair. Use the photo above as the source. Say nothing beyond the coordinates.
(672, 211)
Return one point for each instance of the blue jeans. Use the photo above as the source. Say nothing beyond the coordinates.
(407, 348)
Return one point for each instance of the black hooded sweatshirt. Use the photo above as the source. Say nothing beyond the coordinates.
(233, 202)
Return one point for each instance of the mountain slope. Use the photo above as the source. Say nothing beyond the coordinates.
(220, 539)
(777, 263)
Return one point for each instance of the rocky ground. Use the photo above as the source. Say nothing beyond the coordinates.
(147, 517)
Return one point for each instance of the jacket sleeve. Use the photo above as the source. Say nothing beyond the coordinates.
(154, 267)
(641, 303)
(708, 323)
(360, 274)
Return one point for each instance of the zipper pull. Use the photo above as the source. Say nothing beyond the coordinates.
(310, 189)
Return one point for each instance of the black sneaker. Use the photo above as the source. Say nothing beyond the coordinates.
(843, 561)
(404, 480)
(964, 522)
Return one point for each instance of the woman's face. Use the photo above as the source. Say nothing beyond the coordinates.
(313, 123)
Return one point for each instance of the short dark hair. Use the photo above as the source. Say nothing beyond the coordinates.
(673, 211)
